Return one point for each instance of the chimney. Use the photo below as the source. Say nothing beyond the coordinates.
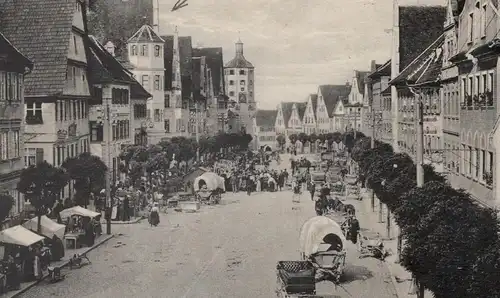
(110, 47)
(373, 66)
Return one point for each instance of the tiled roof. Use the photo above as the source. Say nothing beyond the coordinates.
(332, 93)
(360, 77)
(381, 71)
(10, 55)
(265, 118)
(168, 57)
(215, 62)
(145, 34)
(103, 67)
(419, 26)
(301, 108)
(287, 108)
(186, 60)
(239, 61)
(314, 101)
(40, 30)
(425, 68)
(196, 77)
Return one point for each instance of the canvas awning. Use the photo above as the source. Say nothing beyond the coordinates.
(49, 227)
(212, 180)
(19, 235)
(315, 230)
(77, 210)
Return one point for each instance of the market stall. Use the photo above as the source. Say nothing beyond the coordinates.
(19, 235)
(82, 227)
(49, 227)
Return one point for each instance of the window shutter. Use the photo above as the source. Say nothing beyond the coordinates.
(39, 155)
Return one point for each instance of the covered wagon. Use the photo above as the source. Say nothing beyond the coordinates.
(209, 187)
(323, 243)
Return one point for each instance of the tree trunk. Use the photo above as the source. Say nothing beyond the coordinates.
(380, 214)
(421, 290)
(400, 245)
(39, 223)
(388, 224)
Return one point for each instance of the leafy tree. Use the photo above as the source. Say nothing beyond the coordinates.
(41, 185)
(6, 204)
(281, 141)
(89, 175)
(444, 244)
(118, 20)
(337, 137)
(293, 138)
(303, 138)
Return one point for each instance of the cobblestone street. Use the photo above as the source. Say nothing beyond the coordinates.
(229, 250)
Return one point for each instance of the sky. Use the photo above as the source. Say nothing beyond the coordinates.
(294, 45)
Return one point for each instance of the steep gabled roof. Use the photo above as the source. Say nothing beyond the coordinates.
(360, 78)
(287, 108)
(145, 34)
(381, 71)
(301, 108)
(332, 93)
(11, 57)
(215, 62)
(425, 68)
(314, 101)
(419, 26)
(104, 68)
(186, 60)
(168, 58)
(265, 118)
(41, 30)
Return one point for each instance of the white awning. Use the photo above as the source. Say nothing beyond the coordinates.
(49, 227)
(77, 210)
(19, 235)
(314, 230)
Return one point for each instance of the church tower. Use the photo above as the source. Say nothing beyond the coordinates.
(145, 53)
(239, 79)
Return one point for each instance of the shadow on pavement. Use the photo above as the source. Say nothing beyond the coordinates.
(353, 273)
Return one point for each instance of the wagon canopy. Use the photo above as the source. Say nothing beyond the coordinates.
(211, 180)
(317, 231)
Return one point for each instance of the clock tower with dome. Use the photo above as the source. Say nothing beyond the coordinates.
(240, 88)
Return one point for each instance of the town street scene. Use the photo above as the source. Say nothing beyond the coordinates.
(186, 149)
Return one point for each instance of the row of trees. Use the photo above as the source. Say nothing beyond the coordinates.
(336, 137)
(451, 244)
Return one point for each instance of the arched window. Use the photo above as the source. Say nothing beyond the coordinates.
(144, 50)
(133, 50)
(157, 51)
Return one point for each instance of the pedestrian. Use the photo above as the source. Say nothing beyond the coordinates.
(234, 182)
(312, 189)
(154, 215)
(296, 190)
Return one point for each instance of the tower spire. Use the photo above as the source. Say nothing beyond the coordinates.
(239, 47)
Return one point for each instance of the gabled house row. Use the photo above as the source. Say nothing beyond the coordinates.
(449, 64)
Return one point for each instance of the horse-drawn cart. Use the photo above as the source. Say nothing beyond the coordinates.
(323, 243)
(209, 187)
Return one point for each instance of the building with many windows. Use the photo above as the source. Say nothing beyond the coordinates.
(146, 55)
(380, 104)
(476, 58)
(112, 86)
(240, 88)
(13, 67)
(57, 90)
(264, 135)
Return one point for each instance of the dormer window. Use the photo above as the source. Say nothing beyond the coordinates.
(242, 72)
(133, 50)
(144, 50)
(157, 51)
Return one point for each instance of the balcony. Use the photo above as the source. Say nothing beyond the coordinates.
(482, 101)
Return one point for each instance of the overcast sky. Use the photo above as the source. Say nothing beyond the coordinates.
(294, 45)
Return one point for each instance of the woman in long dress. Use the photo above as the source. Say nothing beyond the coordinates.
(154, 215)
